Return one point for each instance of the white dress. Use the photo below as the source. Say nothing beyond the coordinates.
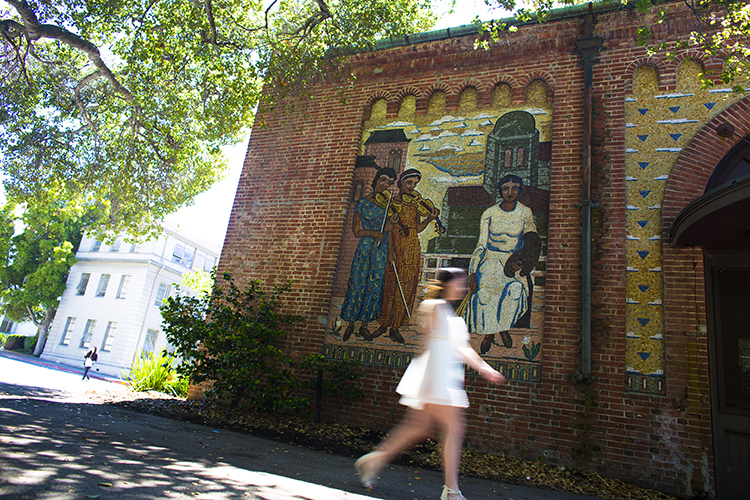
(437, 375)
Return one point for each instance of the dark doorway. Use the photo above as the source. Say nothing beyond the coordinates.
(728, 307)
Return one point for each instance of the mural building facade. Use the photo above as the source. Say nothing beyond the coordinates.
(446, 155)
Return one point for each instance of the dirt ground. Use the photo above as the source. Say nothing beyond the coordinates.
(346, 441)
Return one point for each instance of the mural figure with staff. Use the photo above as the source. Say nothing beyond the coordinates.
(404, 254)
(371, 223)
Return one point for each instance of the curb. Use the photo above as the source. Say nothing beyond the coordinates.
(27, 358)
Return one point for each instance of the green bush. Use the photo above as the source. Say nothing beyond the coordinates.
(233, 339)
(15, 342)
(29, 343)
(155, 372)
(2, 339)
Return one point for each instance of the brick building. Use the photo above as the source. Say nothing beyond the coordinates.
(623, 358)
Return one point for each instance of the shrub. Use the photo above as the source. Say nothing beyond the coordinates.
(2, 339)
(155, 372)
(29, 343)
(233, 337)
(15, 342)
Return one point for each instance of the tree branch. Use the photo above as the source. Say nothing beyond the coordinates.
(35, 30)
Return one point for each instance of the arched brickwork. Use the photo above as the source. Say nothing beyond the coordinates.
(698, 160)
(685, 327)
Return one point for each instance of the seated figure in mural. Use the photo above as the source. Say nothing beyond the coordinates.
(364, 294)
(404, 254)
(506, 253)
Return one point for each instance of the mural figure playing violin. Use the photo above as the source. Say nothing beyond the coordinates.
(364, 294)
(404, 254)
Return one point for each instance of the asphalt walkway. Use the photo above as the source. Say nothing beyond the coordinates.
(55, 443)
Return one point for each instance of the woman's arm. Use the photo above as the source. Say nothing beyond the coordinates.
(475, 361)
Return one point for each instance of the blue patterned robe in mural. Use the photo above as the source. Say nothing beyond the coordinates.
(364, 296)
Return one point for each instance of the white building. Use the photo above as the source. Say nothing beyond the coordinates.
(10, 327)
(113, 297)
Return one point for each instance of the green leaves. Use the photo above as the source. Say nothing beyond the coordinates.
(126, 104)
(236, 340)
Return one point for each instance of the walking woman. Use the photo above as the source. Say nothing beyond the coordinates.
(88, 362)
(432, 386)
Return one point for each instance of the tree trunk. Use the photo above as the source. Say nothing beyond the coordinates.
(49, 315)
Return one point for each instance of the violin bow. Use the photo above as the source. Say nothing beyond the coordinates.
(385, 217)
(400, 289)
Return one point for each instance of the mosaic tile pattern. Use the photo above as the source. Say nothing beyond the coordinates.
(658, 126)
(514, 370)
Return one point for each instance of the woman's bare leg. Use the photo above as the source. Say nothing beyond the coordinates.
(414, 428)
(454, 427)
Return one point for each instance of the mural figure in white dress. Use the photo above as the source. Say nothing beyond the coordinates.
(506, 253)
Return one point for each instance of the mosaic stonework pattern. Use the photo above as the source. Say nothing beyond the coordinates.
(485, 174)
(658, 126)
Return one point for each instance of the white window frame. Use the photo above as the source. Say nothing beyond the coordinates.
(88, 334)
(116, 245)
(109, 336)
(202, 259)
(101, 290)
(96, 246)
(162, 293)
(149, 343)
(183, 253)
(68, 331)
(122, 289)
(83, 284)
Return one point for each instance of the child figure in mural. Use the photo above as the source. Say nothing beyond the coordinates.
(404, 254)
(364, 294)
(506, 253)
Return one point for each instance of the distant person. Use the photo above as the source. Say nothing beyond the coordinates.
(433, 385)
(88, 362)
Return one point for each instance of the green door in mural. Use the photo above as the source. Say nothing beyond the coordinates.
(728, 295)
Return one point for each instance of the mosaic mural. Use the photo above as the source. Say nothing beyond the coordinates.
(467, 189)
(658, 126)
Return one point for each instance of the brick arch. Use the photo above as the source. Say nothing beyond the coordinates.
(539, 75)
(372, 99)
(683, 268)
(406, 91)
(505, 79)
(662, 72)
(712, 64)
(480, 87)
(697, 161)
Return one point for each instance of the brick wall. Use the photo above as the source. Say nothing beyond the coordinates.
(289, 221)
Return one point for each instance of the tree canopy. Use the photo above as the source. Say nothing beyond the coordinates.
(127, 103)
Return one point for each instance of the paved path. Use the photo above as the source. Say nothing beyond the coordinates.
(55, 443)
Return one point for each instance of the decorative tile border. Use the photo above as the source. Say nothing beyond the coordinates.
(519, 371)
(645, 384)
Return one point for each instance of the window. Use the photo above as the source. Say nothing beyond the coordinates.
(183, 254)
(520, 157)
(133, 248)
(115, 246)
(102, 288)
(162, 294)
(69, 323)
(508, 158)
(88, 333)
(109, 336)
(150, 342)
(204, 261)
(81, 288)
(96, 246)
(6, 326)
(122, 290)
